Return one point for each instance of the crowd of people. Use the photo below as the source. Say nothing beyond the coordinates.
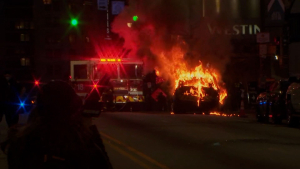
(56, 135)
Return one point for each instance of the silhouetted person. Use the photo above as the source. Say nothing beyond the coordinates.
(106, 91)
(57, 136)
(10, 102)
(161, 102)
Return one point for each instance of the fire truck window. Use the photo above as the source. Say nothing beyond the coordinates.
(80, 71)
(139, 69)
(131, 71)
(103, 69)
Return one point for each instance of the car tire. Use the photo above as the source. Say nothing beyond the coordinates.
(291, 120)
(262, 115)
(277, 120)
(275, 111)
(177, 109)
(259, 115)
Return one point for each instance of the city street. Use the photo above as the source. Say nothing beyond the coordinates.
(156, 140)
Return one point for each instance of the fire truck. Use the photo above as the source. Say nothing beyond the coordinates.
(121, 78)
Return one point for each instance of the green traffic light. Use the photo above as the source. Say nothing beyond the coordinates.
(135, 18)
(74, 22)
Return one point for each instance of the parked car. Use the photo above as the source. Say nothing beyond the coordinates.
(293, 104)
(272, 103)
(187, 101)
(184, 101)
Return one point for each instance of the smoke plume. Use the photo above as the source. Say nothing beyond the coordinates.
(167, 26)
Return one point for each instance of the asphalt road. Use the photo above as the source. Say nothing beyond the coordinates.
(136, 140)
(154, 140)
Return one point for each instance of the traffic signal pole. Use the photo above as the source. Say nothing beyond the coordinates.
(108, 21)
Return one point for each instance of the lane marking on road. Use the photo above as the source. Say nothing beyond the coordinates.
(126, 154)
(134, 151)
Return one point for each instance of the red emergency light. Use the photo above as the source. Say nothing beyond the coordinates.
(110, 60)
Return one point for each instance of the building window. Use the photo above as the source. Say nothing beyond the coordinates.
(87, 3)
(52, 21)
(50, 40)
(31, 25)
(25, 62)
(26, 25)
(218, 6)
(54, 53)
(47, 2)
(19, 25)
(53, 39)
(24, 37)
(19, 51)
(234, 8)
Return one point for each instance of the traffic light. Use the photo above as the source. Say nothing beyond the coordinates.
(135, 18)
(74, 22)
(277, 43)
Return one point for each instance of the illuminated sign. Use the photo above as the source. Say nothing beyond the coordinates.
(234, 30)
(117, 7)
(102, 5)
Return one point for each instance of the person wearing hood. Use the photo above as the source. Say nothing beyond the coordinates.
(9, 99)
(57, 135)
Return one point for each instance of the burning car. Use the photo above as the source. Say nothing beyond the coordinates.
(188, 99)
(184, 100)
(209, 102)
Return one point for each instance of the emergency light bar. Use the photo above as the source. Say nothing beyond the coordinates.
(110, 60)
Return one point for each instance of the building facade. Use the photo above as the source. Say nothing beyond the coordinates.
(17, 34)
(234, 25)
(227, 34)
(294, 38)
(2, 50)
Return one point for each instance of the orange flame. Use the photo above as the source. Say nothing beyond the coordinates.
(177, 69)
(157, 72)
(224, 115)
